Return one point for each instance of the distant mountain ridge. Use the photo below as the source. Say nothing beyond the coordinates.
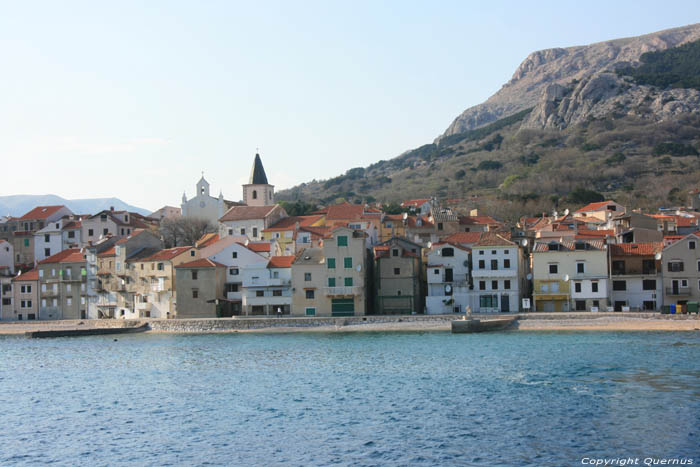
(18, 205)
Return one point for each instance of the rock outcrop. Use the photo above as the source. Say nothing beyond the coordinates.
(567, 85)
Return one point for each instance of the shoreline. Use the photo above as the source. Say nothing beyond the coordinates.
(403, 323)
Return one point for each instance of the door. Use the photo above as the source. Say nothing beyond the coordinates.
(548, 306)
(505, 303)
(448, 275)
(343, 307)
(675, 287)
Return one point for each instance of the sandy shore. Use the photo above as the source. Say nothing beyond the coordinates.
(603, 323)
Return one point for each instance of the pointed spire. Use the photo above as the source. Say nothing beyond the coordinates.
(257, 174)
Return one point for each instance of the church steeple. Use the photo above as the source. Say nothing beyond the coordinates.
(258, 192)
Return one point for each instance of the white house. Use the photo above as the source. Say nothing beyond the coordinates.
(448, 279)
(267, 288)
(497, 271)
(250, 221)
(636, 276)
(57, 236)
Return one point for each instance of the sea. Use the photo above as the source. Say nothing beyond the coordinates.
(414, 398)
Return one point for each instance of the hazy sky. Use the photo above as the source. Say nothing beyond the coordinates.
(135, 99)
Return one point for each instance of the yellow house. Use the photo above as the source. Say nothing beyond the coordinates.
(393, 225)
(285, 229)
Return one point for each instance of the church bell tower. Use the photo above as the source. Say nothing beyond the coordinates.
(257, 192)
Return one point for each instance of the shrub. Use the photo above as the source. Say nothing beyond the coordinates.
(489, 165)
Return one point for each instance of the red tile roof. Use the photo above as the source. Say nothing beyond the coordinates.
(595, 206)
(258, 247)
(71, 255)
(464, 237)
(41, 212)
(108, 252)
(456, 245)
(168, 254)
(493, 239)
(207, 239)
(345, 211)
(636, 249)
(411, 222)
(414, 202)
(682, 221)
(32, 275)
(241, 213)
(289, 223)
(280, 262)
(586, 233)
(477, 220)
(200, 263)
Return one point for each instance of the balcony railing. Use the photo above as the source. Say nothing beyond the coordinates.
(634, 272)
(343, 291)
(678, 291)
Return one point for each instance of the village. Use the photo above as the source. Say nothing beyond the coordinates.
(345, 260)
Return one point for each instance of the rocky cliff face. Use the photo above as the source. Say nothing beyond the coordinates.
(566, 86)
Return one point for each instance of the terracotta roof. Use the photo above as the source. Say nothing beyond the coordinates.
(133, 234)
(109, 252)
(567, 245)
(412, 222)
(414, 202)
(71, 225)
(168, 254)
(71, 255)
(636, 249)
(241, 213)
(494, 239)
(32, 275)
(595, 206)
(289, 223)
(345, 211)
(318, 232)
(456, 245)
(463, 237)
(258, 247)
(206, 240)
(200, 263)
(280, 262)
(682, 221)
(477, 220)
(41, 212)
(586, 233)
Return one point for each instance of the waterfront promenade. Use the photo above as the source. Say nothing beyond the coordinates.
(581, 321)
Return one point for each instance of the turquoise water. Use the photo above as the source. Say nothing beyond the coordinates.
(356, 398)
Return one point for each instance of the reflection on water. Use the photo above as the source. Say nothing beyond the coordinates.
(369, 399)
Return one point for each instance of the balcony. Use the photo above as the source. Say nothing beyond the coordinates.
(144, 306)
(634, 272)
(493, 272)
(267, 282)
(253, 301)
(343, 291)
(677, 291)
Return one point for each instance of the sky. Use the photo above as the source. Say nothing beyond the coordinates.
(137, 99)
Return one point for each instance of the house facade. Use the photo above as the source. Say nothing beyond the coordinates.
(57, 236)
(635, 274)
(250, 221)
(114, 223)
(398, 277)
(681, 271)
(448, 278)
(63, 286)
(267, 287)
(200, 289)
(498, 271)
(25, 288)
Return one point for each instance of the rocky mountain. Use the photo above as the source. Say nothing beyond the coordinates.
(618, 119)
(567, 85)
(18, 205)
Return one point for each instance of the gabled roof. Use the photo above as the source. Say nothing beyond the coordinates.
(135, 233)
(41, 212)
(636, 249)
(168, 254)
(317, 232)
(542, 246)
(280, 262)
(464, 237)
(32, 275)
(257, 173)
(200, 263)
(258, 247)
(600, 206)
(71, 255)
(414, 202)
(695, 235)
(494, 239)
(345, 211)
(206, 240)
(289, 223)
(411, 222)
(242, 213)
(438, 245)
(108, 252)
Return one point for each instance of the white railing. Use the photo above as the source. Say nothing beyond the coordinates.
(343, 291)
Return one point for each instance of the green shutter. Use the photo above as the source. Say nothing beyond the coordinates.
(331, 263)
(331, 282)
(26, 242)
(348, 282)
(342, 240)
(311, 312)
(343, 307)
(347, 263)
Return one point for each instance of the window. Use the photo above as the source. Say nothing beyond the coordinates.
(7, 301)
(675, 266)
(194, 275)
(331, 263)
(331, 282)
(234, 254)
(436, 271)
(26, 242)
(494, 285)
(276, 293)
(195, 293)
(71, 234)
(307, 276)
(47, 252)
(594, 286)
(47, 238)
(618, 267)
(255, 231)
(698, 266)
(69, 301)
(91, 232)
(161, 267)
(691, 244)
(342, 240)
(275, 274)
(230, 231)
(493, 252)
(233, 271)
(619, 285)
(347, 263)
(482, 264)
(310, 311)
(580, 305)
(506, 264)
(505, 252)
(580, 268)
(105, 231)
(348, 282)
(394, 252)
(231, 288)
(481, 252)
(553, 268)
(506, 285)
(482, 285)
(580, 246)
(448, 252)
(648, 284)
(68, 288)
(259, 293)
(309, 294)
(397, 271)
(41, 273)
(494, 264)
(577, 287)
(439, 225)
(242, 231)
(488, 301)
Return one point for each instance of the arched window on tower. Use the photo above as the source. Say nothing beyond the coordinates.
(201, 191)
(255, 194)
